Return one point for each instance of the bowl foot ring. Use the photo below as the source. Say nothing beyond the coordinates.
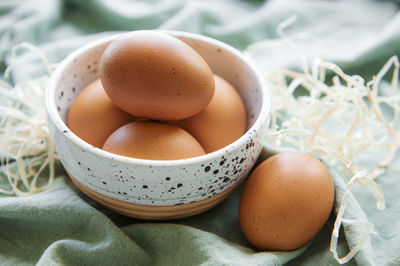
(150, 212)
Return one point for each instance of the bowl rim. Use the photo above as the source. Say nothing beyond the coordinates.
(62, 127)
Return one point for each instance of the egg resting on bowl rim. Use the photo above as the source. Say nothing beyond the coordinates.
(222, 122)
(153, 140)
(93, 117)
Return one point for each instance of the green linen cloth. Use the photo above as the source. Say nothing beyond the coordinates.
(62, 226)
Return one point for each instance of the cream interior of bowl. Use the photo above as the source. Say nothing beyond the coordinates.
(85, 68)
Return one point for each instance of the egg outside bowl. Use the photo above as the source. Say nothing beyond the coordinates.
(157, 189)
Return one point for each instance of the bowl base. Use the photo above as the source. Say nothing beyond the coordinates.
(150, 212)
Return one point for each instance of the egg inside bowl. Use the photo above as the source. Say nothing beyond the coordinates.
(157, 189)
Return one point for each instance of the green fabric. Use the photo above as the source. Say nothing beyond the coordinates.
(62, 226)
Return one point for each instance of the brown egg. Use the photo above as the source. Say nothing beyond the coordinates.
(93, 117)
(286, 201)
(155, 75)
(222, 122)
(154, 141)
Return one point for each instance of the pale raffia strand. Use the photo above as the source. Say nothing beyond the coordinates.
(26, 151)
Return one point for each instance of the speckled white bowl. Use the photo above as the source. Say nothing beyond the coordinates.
(113, 179)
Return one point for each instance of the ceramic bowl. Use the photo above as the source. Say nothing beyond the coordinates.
(157, 189)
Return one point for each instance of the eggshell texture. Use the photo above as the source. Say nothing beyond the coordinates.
(222, 122)
(153, 140)
(286, 201)
(157, 76)
(93, 117)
